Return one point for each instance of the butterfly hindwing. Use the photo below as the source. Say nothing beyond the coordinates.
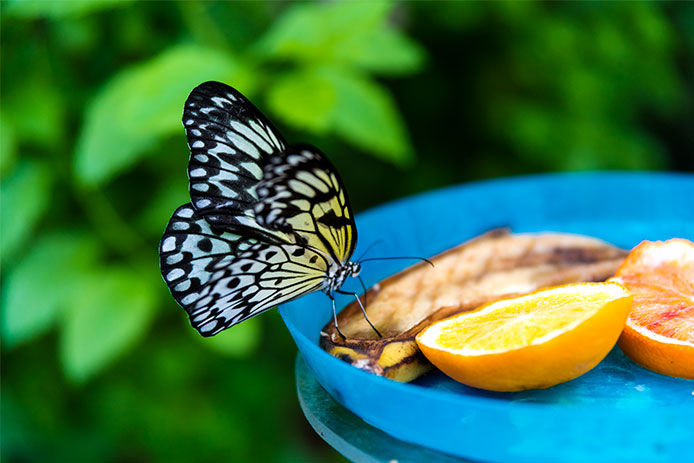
(189, 252)
(230, 141)
(301, 194)
(221, 278)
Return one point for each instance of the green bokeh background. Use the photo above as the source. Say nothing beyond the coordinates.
(98, 362)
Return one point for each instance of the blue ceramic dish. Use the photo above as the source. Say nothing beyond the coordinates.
(618, 412)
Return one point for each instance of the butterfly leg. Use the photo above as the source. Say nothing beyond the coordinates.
(363, 286)
(363, 310)
(332, 299)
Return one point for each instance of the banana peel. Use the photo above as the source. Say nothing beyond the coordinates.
(494, 265)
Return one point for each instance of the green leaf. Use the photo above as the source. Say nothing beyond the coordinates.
(366, 115)
(57, 8)
(585, 142)
(309, 31)
(36, 109)
(141, 104)
(43, 283)
(354, 34)
(25, 197)
(593, 144)
(304, 99)
(111, 312)
(385, 51)
(238, 341)
(8, 147)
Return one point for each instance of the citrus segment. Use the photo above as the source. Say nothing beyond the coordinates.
(659, 333)
(532, 341)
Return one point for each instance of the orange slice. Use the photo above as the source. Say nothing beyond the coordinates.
(529, 342)
(659, 333)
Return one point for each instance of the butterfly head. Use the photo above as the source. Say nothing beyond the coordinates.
(353, 268)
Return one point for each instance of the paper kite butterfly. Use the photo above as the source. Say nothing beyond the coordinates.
(267, 222)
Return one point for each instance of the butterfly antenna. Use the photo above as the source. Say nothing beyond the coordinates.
(369, 249)
(335, 317)
(404, 257)
(356, 296)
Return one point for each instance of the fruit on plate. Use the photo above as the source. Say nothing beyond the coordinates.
(494, 265)
(532, 341)
(659, 333)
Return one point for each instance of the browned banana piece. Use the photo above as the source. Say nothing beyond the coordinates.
(494, 265)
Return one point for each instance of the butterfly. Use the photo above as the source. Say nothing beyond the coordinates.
(267, 223)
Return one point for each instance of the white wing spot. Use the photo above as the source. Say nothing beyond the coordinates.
(260, 295)
(260, 131)
(243, 145)
(301, 188)
(252, 135)
(204, 301)
(198, 144)
(208, 326)
(201, 158)
(203, 203)
(201, 187)
(222, 148)
(253, 169)
(190, 298)
(199, 172)
(302, 204)
(183, 286)
(169, 243)
(175, 274)
(295, 159)
(186, 213)
(220, 101)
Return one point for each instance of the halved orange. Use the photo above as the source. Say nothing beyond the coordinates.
(532, 341)
(659, 333)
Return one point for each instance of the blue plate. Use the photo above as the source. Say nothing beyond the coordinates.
(618, 412)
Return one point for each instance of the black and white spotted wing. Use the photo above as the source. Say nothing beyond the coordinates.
(230, 141)
(221, 278)
(302, 195)
(267, 222)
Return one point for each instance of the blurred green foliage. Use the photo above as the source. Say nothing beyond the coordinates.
(98, 363)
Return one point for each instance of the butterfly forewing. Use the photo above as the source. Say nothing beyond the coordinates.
(221, 278)
(230, 141)
(302, 195)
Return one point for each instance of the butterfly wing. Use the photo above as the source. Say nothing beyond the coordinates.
(221, 278)
(230, 141)
(301, 194)
(266, 224)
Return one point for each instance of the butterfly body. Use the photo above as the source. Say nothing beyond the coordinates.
(268, 222)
